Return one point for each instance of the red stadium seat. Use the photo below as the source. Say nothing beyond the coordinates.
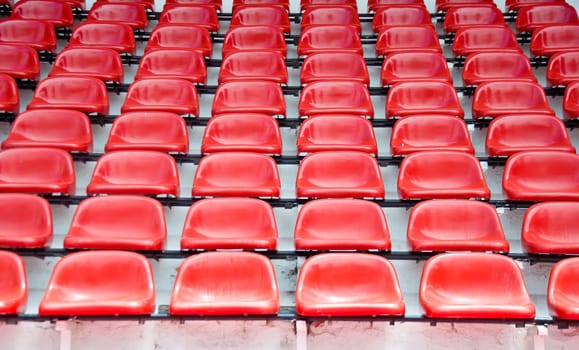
(445, 5)
(26, 222)
(374, 5)
(203, 16)
(116, 222)
(496, 98)
(88, 95)
(216, 4)
(116, 36)
(542, 176)
(280, 3)
(464, 17)
(455, 225)
(58, 128)
(571, 101)
(332, 66)
(148, 131)
(326, 224)
(563, 68)
(484, 38)
(19, 62)
(58, 13)
(13, 284)
(474, 285)
(236, 174)
(250, 224)
(442, 174)
(329, 38)
(549, 228)
(133, 15)
(562, 298)
(422, 97)
(430, 133)
(414, 66)
(36, 170)
(515, 5)
(100, 63)
(9, 95)
(225, 283)
(259, 15)
(549, 40)
(407, 39)
(510, 134)
(173, 63)
(162, 95)
(496, 66)
(39, 35)
(245, 132)
(348, 284)
(335, 97)
(135, 172)
(330, 15)
(530, 18)
(305, 4)
(180, 36)
(149, 5)
(120, 283)
(254, 38)
(397, 16)
(254, 65)
(339, 174)
(252, 96)
(337, 133)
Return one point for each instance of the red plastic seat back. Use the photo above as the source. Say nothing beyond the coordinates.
(26, 222)
(254, 38)
(181, 36)
(173, 63)
(13, 284)
(330, 15)
(255, 96)
(58, 13)
(549, 40)
(329, 38)
(162, 95)
(258, 15)
(104, 64)
(9, 95)
(571, 101)
(216, 4)
(20, 62)
(407, 38)
(422, 97)
(459, 17)
(445, 5)
(116, 36)
(530, 18)
(548, 228)
(414, 66)
(133, 15)
(251, 65)
(374, 5)
(562, 298)
(335, 97)
(496, 66)
(282, 3)
(473, 39)
(496, 98)
(330, 66)
(305, 4)
(199, 15)
(39, 35)
(400, 16)
(563, 68)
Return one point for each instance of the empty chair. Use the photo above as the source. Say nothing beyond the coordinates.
(98, 283)
(26, 222)
(85, 94)
(571, 101)
(335, 97)
(484, 38)
(331, 15)
(203, 16)
(180, 36)
(135, 172)
(58, 13)
(348, 284)
(305, 4)
(236, 174)
(164, 95)
(115, 36)
(515, 5)
(374, 5)
(407, 38)
(100, 63)
(116, 222)
(337, 133)
(422, 97)
(563, 68)
(542, 176)
(445, 5)
(58, 128)
(549, 40)
(280, 3)
(254, 38)
(254, 96)
(19, 62)
(326, 224)
(254, 65)
(39, 35)
(13, 284)
(131, 14)
(339, 174)
(250, 224)
(245, 132)
(492, 99)
(499, 65)
(562, 298)
(9, 95)
(147, 4)
(329, 38)
(36, 170)
(400, 15)
(455, 225)
(225, 283)
(474, 285)
(258, 15)
(549, 228)
(148, 131)
(334, 66)
(173, 63)
(215, 4)
(461, 17)
(442, 174)
(530, 18)
(414, 66)
(510, 134)
(430, 133)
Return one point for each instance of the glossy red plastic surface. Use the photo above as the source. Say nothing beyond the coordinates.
(549, 40)
(401, 15)
(148, 131)
(250, 224)
(329, 38)
(149, 5)
(9, 95)
(13, 284)
(374, 5)
(225, 283)
(484, 38)
(135, 172)
(430, 133)
(442, 174)
(26, 222)
(305, 4)
(39, 35)
(253, 96)
(563, 68)
(515, 5)
(336, 133)
(163, 95)
(258, 15)
(407, 39)
(173, 63)
(36, 170)
(83, 94)
(58, 13)
(100, 63)
(414, 66)
(246, 132)
(281, 3)
(254, 65)
(116, 36)
(335, 97)
(510, 134)
(20, 62)
(180, 36)
(492, 99)
(133, 15)
(461, 17)
(549, 228)
(326, 224)
(57, 128)
(100, 283)
(422, 97)
(236, 174)
(562, 296)
(348, 284)
(216, 4)
(203, 16)
(117, 222)
(332, 66)
(474, 285)
(571, 101)
(496, 66)
(445, 5)
(542, 176)
(455, 225)
(530, 18)
(331, 15)
(254, 38)
(339, 174)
